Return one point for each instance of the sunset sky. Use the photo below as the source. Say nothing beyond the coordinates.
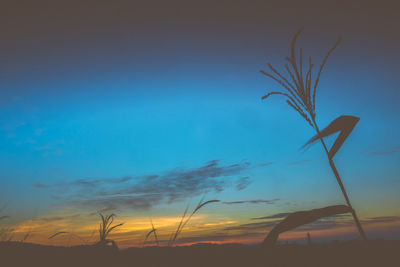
(141, 109)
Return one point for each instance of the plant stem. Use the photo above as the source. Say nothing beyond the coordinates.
(339, 180)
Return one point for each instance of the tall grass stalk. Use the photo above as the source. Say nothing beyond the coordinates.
(300, 95)
(152, 231)
(183, 222)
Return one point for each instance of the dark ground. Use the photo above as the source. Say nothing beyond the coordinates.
(374, 253)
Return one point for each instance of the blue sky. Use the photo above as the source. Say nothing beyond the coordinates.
(174, 96)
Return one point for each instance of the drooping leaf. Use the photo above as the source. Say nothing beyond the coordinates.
(149, 233)
(300, 218)
(344, 125)
(203, 204)
(58, 233)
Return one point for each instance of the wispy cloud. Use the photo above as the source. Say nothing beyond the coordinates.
(275, 216)
(57, 218)
(256, 201)
(243, 183)
(146, 191)
(110, 208)
(265, 164)
(382, 219)
(251, 227)
(222, 238)
(84, 183)
(371, 151)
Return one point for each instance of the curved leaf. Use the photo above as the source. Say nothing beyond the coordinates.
(344, 125)
(300, 218)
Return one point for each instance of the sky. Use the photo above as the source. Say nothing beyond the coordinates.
(140, 108)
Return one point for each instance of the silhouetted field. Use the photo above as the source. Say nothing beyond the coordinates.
(373, 253)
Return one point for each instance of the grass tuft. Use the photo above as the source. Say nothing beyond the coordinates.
(105, 229)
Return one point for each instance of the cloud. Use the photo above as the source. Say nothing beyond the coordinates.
(247, 227)
(324, 225)
(275, 216)
(110, 208)
(243, 183)
(57, 218)
(221, 237)
(265, 164)
(382, 219)
(141, 202)
(371, 151)
(84, 183)
(256, 201)
(146, 191)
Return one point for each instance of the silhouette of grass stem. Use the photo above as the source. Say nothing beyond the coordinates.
(342, 188)
(183, 222)
(152, 231)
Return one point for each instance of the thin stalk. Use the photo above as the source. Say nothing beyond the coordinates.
(339, 180)
(155, 233)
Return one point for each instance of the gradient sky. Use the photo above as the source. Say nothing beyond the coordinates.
(102, 105)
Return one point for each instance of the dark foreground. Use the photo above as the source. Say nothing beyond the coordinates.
(375, 253)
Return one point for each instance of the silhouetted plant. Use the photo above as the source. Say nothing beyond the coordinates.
(301, 93)
(105, 229)
(183, 222)
(152, 231)
(309, 243)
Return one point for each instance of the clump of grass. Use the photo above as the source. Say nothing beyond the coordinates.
(183, 222)
(105, 229)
